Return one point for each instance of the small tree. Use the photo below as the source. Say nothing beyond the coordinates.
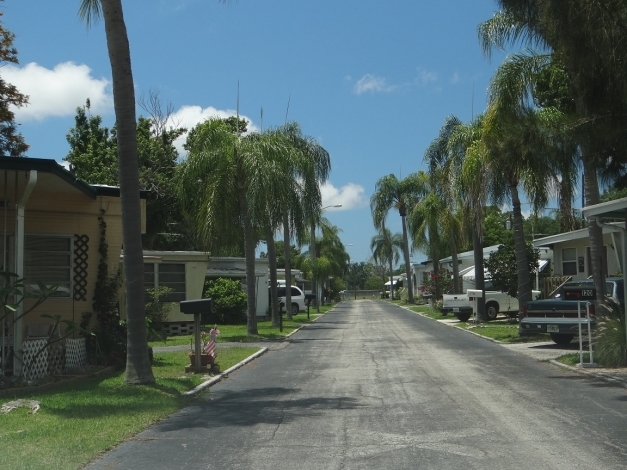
(502, 267)
(229, 301)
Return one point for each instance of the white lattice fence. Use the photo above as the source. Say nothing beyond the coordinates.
(75, 353)
(37, 368)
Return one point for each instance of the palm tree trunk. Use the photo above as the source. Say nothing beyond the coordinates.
(520, 247)
(454, 260)
(138, 368)
(391, 279)
(249, 252)
(595, 233)
(410, 289)
(312, 254)
(274, 301)
(288, 266)
(477, 247)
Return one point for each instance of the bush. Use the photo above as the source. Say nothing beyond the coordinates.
(609, 338)
(229, 301)
(404, 295)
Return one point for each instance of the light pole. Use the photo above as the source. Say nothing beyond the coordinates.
(312, 253)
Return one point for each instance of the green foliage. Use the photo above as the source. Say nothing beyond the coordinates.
(11, 143)
(502, 267)
(156, 310)
(93, 156)
(374, 282)
(430, 278)
(229, 301)
(609, 338)
(108, 343)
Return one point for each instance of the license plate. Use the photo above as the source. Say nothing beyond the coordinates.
(455, 309)
(552, 329)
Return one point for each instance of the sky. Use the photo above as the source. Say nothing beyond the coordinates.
(371, 81)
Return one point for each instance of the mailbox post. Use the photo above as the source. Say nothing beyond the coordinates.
(197, 308)
(474, 295)
(585, 294)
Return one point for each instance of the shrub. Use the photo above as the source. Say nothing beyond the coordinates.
(229, 301)
(404, 295)
(609, 338)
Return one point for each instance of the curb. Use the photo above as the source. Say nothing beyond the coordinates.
(224, 374)
(596, 375)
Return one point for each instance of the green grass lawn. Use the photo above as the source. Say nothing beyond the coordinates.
(78, 421)
(238, 333)
(573, 359)
(502, 330)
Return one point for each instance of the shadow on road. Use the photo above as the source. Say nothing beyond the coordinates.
(254, 406)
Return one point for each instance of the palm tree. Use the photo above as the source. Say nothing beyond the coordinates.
(303, 204)
(473, 185)
(390, 192)
(226, 181)
(385, 248)
(588, 38)
(138, 368)
(444, 162)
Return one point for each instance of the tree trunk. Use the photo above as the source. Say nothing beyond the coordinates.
(477, 247)
(287, 252)
(410, 289)
(520, 247)
(312, 254)
(274, 301)
(454, 259)
(138, 368)
(249, 251)
(595, 233)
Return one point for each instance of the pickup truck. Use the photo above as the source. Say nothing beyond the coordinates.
(495, 302)
(558, 316)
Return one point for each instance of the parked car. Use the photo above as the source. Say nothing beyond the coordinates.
(298, 299)
(558, 316)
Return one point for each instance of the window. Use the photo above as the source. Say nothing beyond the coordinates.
(48, 259)
(170, 275)
(569, 261)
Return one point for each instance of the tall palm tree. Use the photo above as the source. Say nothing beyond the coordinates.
(473, 185)
(304, 207)
(386, 248)
(227, 180)
(390, 192)
(444, 162)
(138, 368)
(588, 37)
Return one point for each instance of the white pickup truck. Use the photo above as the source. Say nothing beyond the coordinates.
(495, 302)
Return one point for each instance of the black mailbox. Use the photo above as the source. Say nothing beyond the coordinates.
(196, 306)
(202, 306)
(580, 293)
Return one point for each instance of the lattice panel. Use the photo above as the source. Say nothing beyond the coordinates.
(39, 368)
(81, 249)
(75, 353)
(56, 358)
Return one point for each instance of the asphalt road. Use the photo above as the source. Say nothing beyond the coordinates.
(371, 385)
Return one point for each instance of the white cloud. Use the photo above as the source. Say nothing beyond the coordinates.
(370, 83)
(189, 116)
(350, 195)
(425, 77)
(455, 79)
(57, 92)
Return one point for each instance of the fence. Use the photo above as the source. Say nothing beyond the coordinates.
(41, 361)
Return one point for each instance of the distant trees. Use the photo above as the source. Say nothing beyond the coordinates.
(12, 143)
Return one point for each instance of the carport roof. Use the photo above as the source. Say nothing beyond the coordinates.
(46, 165)
(616, 209)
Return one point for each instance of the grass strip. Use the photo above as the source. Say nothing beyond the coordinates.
(573, 359)
(78, 421)
(238, 333)
(503, 332)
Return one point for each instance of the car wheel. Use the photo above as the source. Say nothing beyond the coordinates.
(462, 316)
(294, 309)
(561, 339)
(492, 310)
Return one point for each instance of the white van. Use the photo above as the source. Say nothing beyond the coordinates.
(298, 299)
